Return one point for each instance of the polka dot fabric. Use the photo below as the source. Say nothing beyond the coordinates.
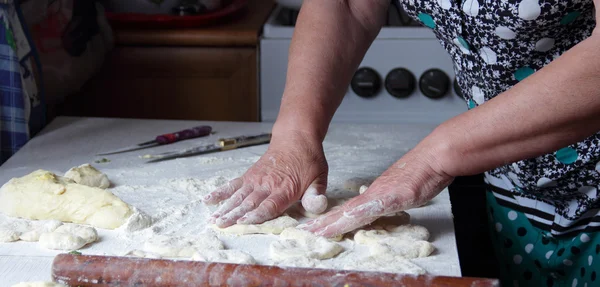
(498, 44)
(533, 257)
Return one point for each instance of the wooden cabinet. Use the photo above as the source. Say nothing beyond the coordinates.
(199, 74)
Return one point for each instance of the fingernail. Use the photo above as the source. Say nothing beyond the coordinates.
(207, 197)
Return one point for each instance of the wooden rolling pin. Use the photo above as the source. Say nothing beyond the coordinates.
(88, 270)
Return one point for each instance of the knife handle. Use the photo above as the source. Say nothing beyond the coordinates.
(231, 143)
(184, 135)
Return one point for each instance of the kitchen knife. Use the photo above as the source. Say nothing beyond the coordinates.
(195, 132)
(221, 145)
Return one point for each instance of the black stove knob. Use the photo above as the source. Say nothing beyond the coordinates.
(434, 83)
(366, 83)
(400, 83)
(457, 90)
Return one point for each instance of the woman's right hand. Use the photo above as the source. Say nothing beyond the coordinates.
(293, 168)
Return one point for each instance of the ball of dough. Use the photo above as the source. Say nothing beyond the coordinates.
(88, 175)
(88, 234)
(8, 235)
(61, 241)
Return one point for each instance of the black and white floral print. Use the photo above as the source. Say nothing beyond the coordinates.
(495, 44)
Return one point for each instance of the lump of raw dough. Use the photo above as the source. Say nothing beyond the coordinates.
(88, 175)
(402, 248)
(61, 241)
(354, 184)
(224, 256)
(300, 243)
(141, 253)
(274, 226)
(88, 234)
(68, 237)
(362, 189)
(178, 246)
(406, 244)
(38, 284)
(302, 262)
(38, 228)
(137, 221)
(8, 235)
(44, 195)
(384, 263)
(409, 231)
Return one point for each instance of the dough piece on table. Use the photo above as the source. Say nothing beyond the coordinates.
(302, 262)
(137, 221)
(39, 227)
(8, 235)
(362, 189)
(274, 226)
(88, 175)
(141, 253)
(44, 195)
(61, 241)
(179, 246)
(402, 248)
(415, 232)
(403, 245)
(224, 256)
(300, 243)
(405, 232)
(354, 184)
(38, 284)
(384, 263)
(87, 233)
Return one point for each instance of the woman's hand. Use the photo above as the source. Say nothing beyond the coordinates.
(293, 166)
(410, 182)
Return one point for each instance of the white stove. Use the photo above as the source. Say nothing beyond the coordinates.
(405, 77)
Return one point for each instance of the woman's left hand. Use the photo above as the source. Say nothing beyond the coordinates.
(410, 182)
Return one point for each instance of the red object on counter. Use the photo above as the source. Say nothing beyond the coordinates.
(154, 21)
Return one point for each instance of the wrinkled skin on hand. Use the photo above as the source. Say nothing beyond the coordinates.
(293, 168)
(410, 182)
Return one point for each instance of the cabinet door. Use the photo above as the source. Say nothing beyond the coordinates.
(172, 83)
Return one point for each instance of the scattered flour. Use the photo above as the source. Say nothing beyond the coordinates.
(166, 197)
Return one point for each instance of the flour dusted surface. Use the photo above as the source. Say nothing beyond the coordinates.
(169, 192)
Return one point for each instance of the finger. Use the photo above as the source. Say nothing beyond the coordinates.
(314, 200)
(223, 192)
(342, 225)
(234, 201)
(250, 203)
(271, 207)
(355, 213)
(321, 221)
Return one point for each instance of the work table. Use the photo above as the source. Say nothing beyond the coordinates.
(352, 151)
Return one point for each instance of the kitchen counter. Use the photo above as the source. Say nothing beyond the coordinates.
(352, 151)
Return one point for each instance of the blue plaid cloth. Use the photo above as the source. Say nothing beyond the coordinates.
(14, 130)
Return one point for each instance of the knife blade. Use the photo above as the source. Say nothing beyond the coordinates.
(221, 145)
(164, 139)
